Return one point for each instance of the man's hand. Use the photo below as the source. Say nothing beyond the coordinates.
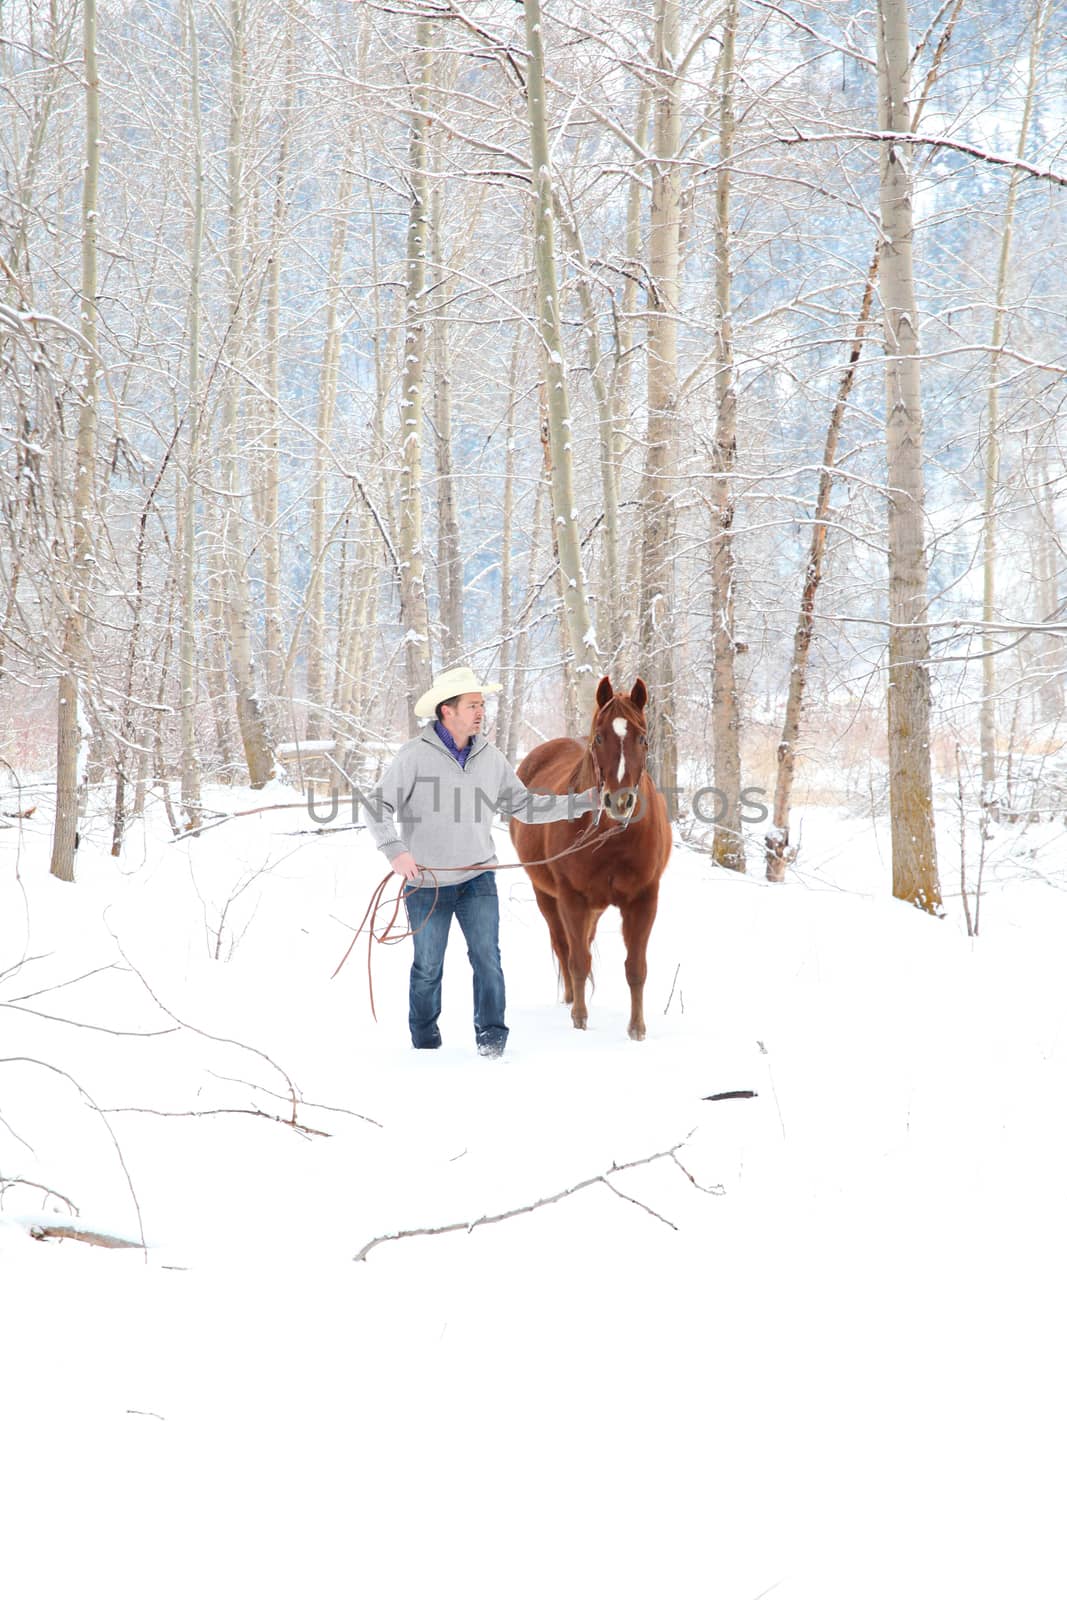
(406, 865)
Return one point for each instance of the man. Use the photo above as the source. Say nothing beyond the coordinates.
(441, 790)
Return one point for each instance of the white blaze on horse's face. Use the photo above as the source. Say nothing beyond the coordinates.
(619, 724)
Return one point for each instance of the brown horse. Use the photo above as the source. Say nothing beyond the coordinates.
(623, 861)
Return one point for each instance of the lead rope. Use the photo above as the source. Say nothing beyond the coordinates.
(387, 935)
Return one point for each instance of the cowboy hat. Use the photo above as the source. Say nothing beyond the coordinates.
(446, 685)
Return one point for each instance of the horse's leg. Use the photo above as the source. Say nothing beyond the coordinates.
(550, 911)
(574, 915)
(637, 918)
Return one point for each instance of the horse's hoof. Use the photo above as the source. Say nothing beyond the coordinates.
(636, 1032)
(579, 1022)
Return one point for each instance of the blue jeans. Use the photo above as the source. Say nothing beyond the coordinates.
(474, 905)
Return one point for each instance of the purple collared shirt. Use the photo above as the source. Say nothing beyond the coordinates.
(450, 744)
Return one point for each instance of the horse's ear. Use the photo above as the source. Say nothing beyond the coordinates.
(639, 694)
(604, 693)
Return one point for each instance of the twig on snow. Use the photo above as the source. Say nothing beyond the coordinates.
(61, 1072)
(68, 1230)
(534, 1205)
(216, 1038)
(674, 980)
(308, 1105)
(42, 1188)
(94, 1027)
(220, 1111)
(705, 1188)
(17, 999)
(641, 1205)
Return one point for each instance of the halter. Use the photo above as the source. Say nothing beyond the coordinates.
(598, 778)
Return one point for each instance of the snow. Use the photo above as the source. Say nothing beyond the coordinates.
(841, 1376)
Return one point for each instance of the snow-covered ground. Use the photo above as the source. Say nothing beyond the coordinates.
(839, 1378)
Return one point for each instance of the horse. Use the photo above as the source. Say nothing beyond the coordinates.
(624, 858)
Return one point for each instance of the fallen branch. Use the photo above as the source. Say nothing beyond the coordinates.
(293, 1096)
(536, 1205)
(35, 994)
(219, 1111)
(42, 1188)
(94, 1027)
(61, 1072)
(231, 816)
(70, 1230)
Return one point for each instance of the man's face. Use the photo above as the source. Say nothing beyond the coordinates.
(464, 719)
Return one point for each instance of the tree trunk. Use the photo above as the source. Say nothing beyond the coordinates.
(609, 598)
(270, 538)
(778, 852)
(656, 610)
(522, 643)
(213, 644)
(987, 719)
(507, 644)
(315, 636)
(70, 719)
(1053, 649)
(580, 640)
(915, 877)
(449, 559)
(778, 855)
(728, 844)
(187, 660)
(626, 322)
(414, 614)
(255, 739)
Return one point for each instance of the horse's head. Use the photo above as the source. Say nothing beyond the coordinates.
(619, 745)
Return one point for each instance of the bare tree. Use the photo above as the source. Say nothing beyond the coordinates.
(78, 581)
(728, 843)
(581, 640)
(915, 876)
(659, 484)
(414, 613)
(987, 726)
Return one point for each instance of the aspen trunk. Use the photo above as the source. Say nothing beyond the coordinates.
(778, 855)
(507, 644)
(187, 659)
(610, 598)
(70, 719)
(580, 640)
(1053, 650)
(255, 739)
(728, 845)
(213, 647)
(449, 560)
(522, 643)
(778, 851)
(570, 683)
(987, 719)
(331, 358)
(270, 539)
(915, 877)
(414, 614)
(661, 456)
(626, 322)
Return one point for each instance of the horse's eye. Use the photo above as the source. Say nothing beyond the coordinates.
(643, 739)
(598, 740)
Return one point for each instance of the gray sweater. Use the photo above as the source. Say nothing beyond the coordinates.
(444, 812)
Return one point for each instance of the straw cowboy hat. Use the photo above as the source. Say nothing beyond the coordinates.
(446, 685)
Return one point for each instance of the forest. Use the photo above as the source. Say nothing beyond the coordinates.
(717, 345)
(722, 344)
